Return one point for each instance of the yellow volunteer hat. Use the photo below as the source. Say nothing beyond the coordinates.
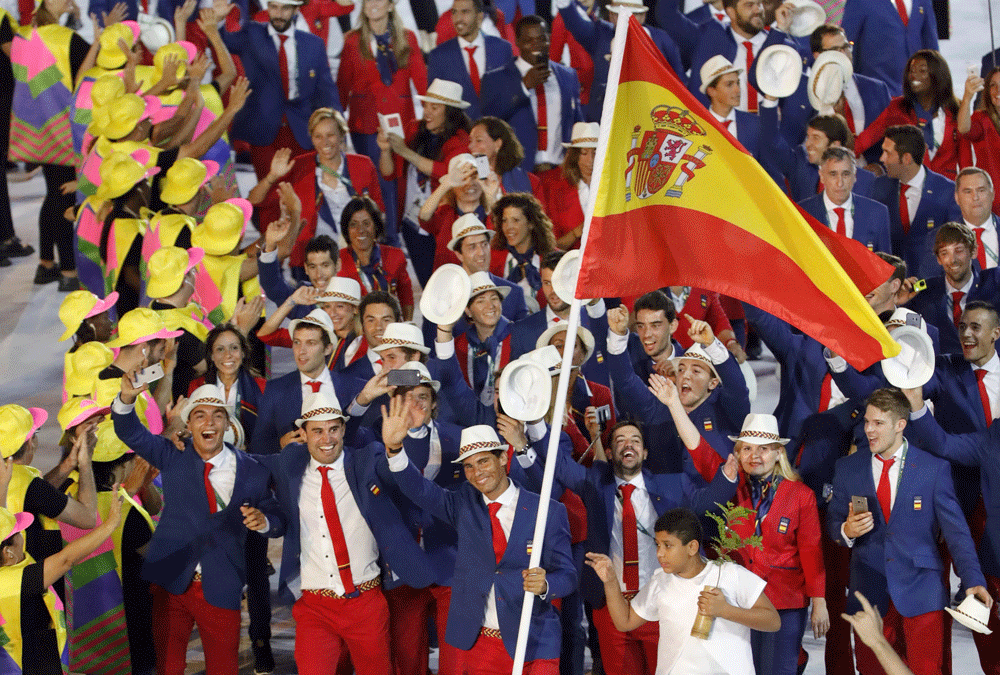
(109, 447)
(17, 425)
(185, 52)
(119, 174)
(111, 56)
(83, 366)
(141, 325)
(223, 227)
(77, 410)
(166, 269)
(80, 305)
(11, 524)
(126, 111)
(183, 180)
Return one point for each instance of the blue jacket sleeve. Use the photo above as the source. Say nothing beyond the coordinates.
(634, 395)
(156, 450)
(464, 403)
(836, 508)
(425, 493)
(265, 432)
(971, 449)
(569, 474)
(775, 333)
(271, 281)
(683, 30)
(580, 26)
(704, 499)
(955, 529)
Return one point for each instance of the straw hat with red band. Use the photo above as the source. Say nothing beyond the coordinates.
(425, 375)
(17, 425)
(11, 523)
(482, 282)
(318, 318)
(760, 429)
(142, 325)
(445, 92)
(476, 439)
(79, 306)
(467, 226)
(584, 135)
(206, 394)
(697, 353)
(340, 289)
(321, 407)
(167, 267)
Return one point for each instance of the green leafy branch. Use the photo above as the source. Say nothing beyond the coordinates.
(727, 541)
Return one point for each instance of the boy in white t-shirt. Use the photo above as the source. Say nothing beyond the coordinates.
(675, 595)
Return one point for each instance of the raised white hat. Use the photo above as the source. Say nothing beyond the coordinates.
(972, 614)
(446, 295)
(826, 81)
(914, 365)
(807, 16)
(779, 71)
(565, 274)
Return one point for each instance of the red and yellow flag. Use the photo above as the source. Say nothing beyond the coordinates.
(681, 202)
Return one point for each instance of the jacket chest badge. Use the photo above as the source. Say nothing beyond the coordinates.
(456, 474)
(918, 503)
(528, 548)
(374, 489)
(704, 301)
(708, 424)
(312, 73)
(783, 525)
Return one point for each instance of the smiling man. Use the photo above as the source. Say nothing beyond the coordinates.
(322, 264)
(201, 537)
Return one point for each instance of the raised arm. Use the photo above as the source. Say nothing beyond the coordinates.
(209, 25)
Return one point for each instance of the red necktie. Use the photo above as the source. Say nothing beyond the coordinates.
(901, 8)
(726, 123)
(556, 320)
(849, 116)
(499, 538)
(751, 92)
(980, 248)
(213, 505)
(721, 18)
(956, 306)
(819, 185)
(984, 396)
(884, 491)
(904, 208)
(378, 362)
(841, 223)
(336, 532)
(315, 384)
(473, 68)
(630, 540)
(283, 64)
(825, 392)
(543, 118)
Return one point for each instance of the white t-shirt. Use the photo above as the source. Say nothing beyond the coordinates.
(673, 601)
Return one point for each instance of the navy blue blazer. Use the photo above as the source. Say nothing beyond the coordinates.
(447, 62)
(188, 533)
(401, 556)
(476, 569)
(937, 207)
(882, 44)
(277, 289)
(719, 415)
(281, 405)
(525, 333)
(899, 560)
(934, 303)
(824, 438)
(970, 449)
(596, 37)
(597, 488)
(509, 102)
(513, 309)
(259, 120)
(871, 220)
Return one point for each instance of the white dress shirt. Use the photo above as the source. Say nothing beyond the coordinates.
(508, 501)
(853, 98)
(949, 289)
(831, 216)
(731, 118)
(375, 359)
(992, 382)
(906, 3)
(645, 518)
(553, 153)
(318, 561)
(740, 61)
(877, 476)
(336, 199)
(325, 387)
(479, 55)
(595, 311)
(434, 451)
(290, 55)
(352, 349)
(990, 242)
(914, 192)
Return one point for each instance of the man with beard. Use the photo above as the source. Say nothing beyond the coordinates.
(277, 114)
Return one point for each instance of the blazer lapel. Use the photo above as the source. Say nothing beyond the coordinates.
(519, 529)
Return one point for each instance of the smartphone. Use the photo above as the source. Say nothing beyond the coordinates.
(920, 285)
(148, 375)
(603, 414)
(973, 70)
(860, 504)
(403, 378)
(482, 166)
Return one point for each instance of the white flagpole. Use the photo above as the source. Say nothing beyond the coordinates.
(562, 385)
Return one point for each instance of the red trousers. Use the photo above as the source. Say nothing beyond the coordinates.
(837, 560)
(919, 641)
(631, 653)
(176, 616)
(327, 627)
(489, 657)
(409, 610)
(989, 645)
(261, 155)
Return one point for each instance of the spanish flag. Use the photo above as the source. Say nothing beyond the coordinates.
(679, 201)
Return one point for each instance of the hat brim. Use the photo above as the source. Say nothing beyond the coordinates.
(194, 403)
(807, 16)
(451, 283)
(297, 322)
(504, 291)
(162, 334)
(682, 357)
(759, 440)
(38, 417)
(22, 521)
(968, 621)
(582, 332)
(461, 105)
(584, 144)
(163, 289)
(321, 418)
(703, 87)
(86, 415)
(454, 241)
(790, 76)
(567, 268)
(465, 455)
(409, 345)
(914, 365)
(102, 305)
(531, 404)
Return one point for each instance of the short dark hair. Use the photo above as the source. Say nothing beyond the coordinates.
(984, 306)
(628, 422)
(358, 203)
(323, 243)
(323, 335)
(381, 298)
(955, 233)
(898, 264)
(838, 154)
(530, 20)
(726, 4)
(104, 472)
(479, 5)
(682, 523)
(552, 259)
(656, 301)
(816, 39)
(890, 400)
(834, 127)
(909, 140)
